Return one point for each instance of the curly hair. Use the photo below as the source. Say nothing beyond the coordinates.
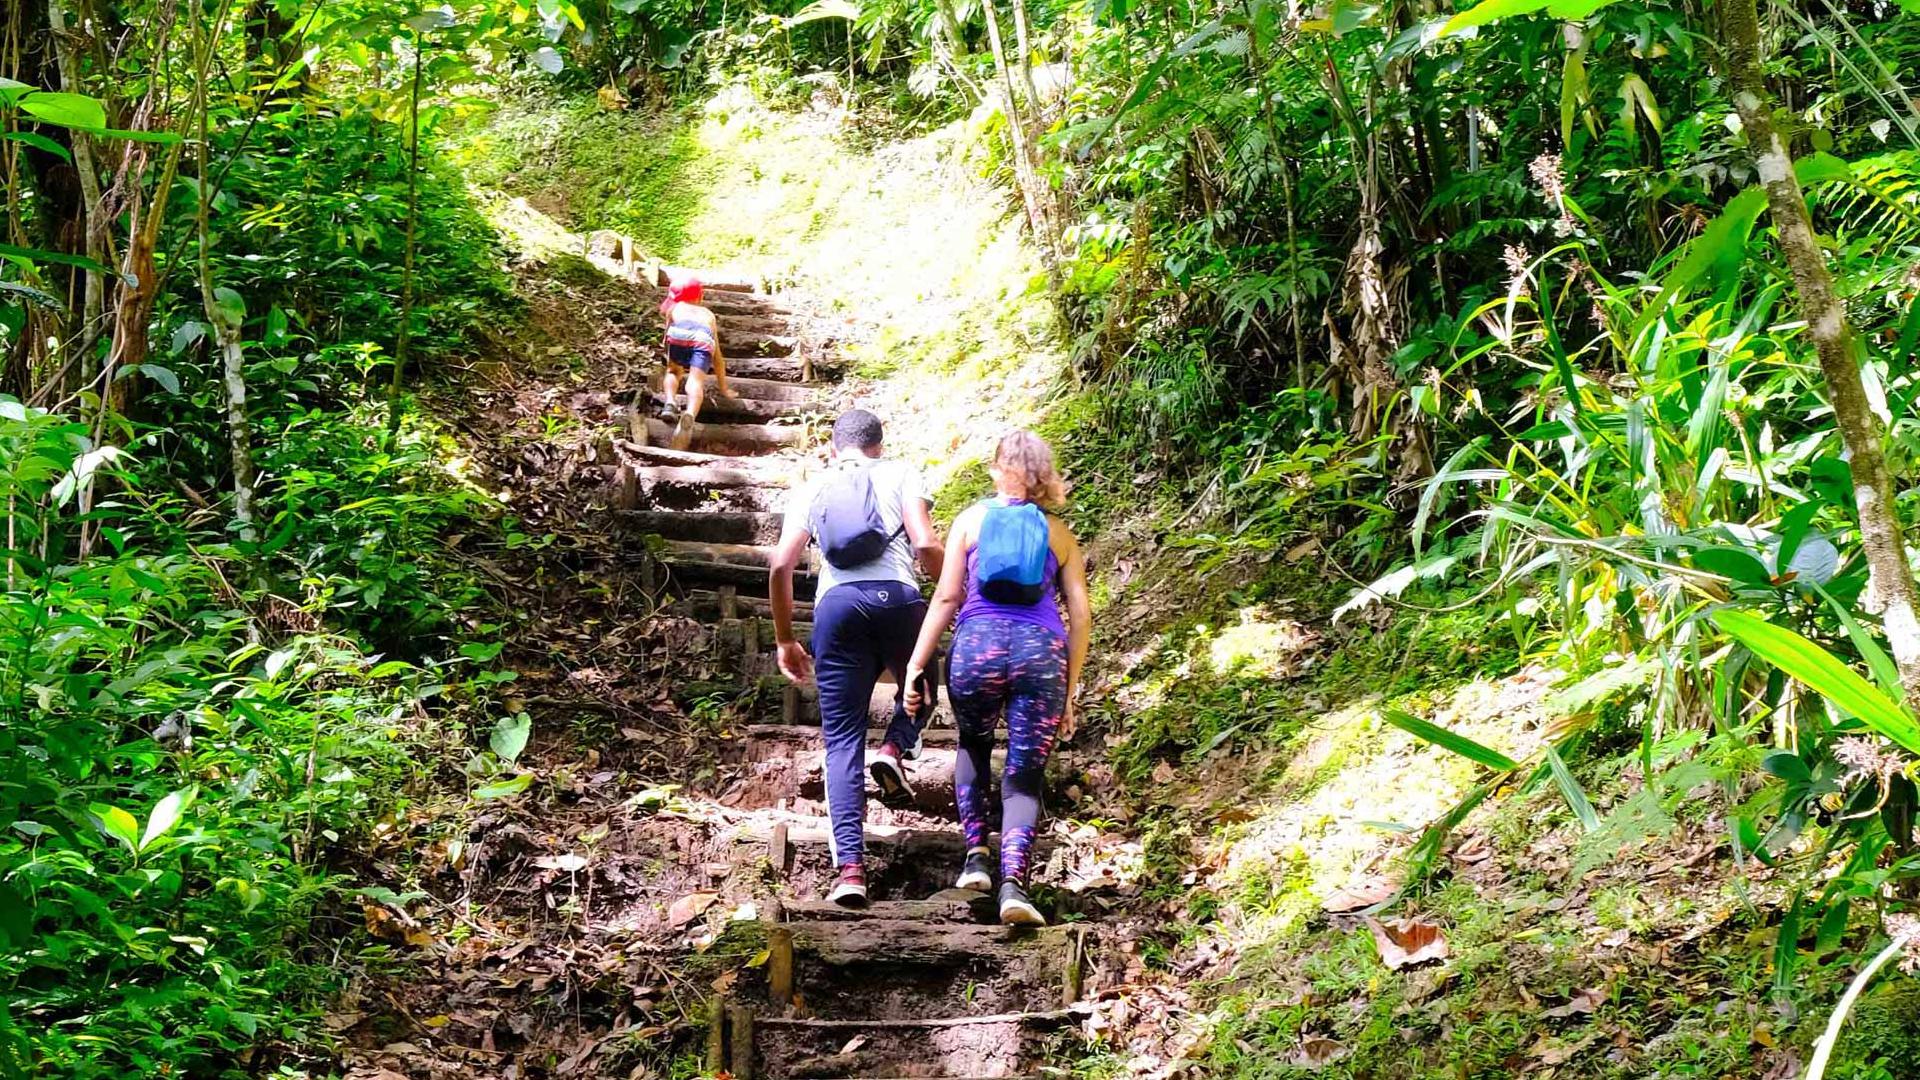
(1026, 458)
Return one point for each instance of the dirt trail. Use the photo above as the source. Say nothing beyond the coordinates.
(600, 926)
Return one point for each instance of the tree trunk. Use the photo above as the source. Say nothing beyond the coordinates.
(92, 219)
(226, 327)
(1023, 162)
(1890, 585)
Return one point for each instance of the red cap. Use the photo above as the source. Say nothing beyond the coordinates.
(681, 291)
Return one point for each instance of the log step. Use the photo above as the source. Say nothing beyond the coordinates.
(720, 407)
(779, 369)
(690, 570)
(756, 556)
(717, 280)
(953, 905)
(732, 439)
(730, 527)
(997, 1045)
(768, 470)
(707, 604)
(905, 941)
(809, 735)
(752, 389)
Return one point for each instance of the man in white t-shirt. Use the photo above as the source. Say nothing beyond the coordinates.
(871, 519)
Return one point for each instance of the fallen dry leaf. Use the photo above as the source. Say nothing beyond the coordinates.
(1163, 773)
(1315, 1051)
(1405, 942)
(690, 907)
(853, 1044)
(1583, 1004)
(1359, 893)
(391, 924)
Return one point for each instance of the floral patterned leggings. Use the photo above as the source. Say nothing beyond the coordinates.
(1003, 666)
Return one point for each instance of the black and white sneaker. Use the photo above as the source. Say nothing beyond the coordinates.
(892, 779)
(976, 872)
(1016, 909)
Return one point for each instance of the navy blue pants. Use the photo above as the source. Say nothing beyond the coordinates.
(860, 628)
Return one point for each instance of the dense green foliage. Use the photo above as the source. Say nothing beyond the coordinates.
(1483, 299)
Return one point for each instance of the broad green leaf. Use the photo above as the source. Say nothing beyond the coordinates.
(21, 254)
(185, 335)
(166, 814)
(426, 21)
(65, 110)
(229, 307)
(510, 736)
(116, 823)
(1722, 245)
(1570, 789)
(16, 917)
(1885, 671)
(1489, 11)
(1821, 670)
(1821, 168)
(1449, 740)
(1734, 564)
(164, 376)
(548, 59)
(823, 9)
(500, 789)
(481, 652)
(38, 142)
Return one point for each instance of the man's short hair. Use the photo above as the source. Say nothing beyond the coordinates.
(857, 429)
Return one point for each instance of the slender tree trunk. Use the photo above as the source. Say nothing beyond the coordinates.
(1025, 174)
(1257, 68)
(92, 220)
(406, 269)
(226, 326)
(1890, 584)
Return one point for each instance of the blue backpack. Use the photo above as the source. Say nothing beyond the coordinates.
(1012, 553)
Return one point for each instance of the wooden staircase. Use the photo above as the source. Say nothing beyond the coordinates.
(924, 983)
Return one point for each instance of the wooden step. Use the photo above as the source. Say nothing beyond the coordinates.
(770, 470)
(756, 556)
(780, 369)
(691, 571)
(707, 604)
(701, 476)
(721, 303)
(719, 408)
(729, 527)
(995, 1045)
(797, 393)
(804, 735)
(953, 905)
(732, 439)
(906, 941)
(715, 280)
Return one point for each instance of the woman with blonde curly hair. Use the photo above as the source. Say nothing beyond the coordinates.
(1012, 655)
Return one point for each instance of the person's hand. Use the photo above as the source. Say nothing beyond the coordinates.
(914, 698)
(1067, 724)
(795, 664)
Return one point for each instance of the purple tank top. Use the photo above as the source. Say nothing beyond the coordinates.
(1045, 614)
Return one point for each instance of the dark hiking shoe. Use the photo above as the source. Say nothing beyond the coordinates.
(892, 779)
(1016, 909)
(976, 872)
(850, 891)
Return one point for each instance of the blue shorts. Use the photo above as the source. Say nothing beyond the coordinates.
(697, 357)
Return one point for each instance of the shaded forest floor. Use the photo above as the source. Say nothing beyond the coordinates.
(1234, 808)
